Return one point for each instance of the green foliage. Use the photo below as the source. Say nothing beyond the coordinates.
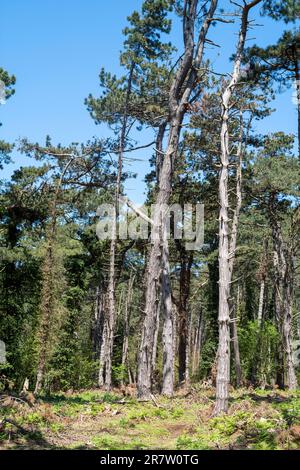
(53, 263)
(275, 170)
(277, 64)
(8, 81)
(290, 411)
(142, 41)
(120, 374)
(258, 346)
(234, 431)
(287, 10)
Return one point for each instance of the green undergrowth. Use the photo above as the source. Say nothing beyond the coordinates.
(257, 419)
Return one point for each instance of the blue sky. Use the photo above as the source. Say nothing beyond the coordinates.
(56, 49)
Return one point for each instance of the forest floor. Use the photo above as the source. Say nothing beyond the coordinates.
(257, 419)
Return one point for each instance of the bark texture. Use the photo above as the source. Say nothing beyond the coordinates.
(223, 357)
(181, 88)
(232, 250)
(284, 290)
(125, 346)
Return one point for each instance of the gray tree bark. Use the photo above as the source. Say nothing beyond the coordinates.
(155, 342)
(284, 286)
(232, 251)
(223, 357)
(262, 277)
(261, 301)
(182, 86)
(125, 346)
(168, 356)
(198, 341)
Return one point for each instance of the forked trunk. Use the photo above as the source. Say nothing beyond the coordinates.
(183, 84)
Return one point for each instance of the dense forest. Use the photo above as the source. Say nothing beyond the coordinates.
(134, 310)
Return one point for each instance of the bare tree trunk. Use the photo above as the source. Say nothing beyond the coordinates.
(291, 379)
(284, 284)
(262, 277)
(223, 360)
(168, 357)
(182, 307)
(111, 312)
(175, 334)
(154, 352)
(128, 302)
(261, 301)
(103, 350)
(182, 86)
(98, 322)
(197, 345)
(278, 315)
(297, 77)
(232, 250)
(188, 352)
(236, 350)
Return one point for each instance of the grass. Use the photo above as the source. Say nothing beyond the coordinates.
(257, 419)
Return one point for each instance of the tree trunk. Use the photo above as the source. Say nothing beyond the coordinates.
(126, 327)
(297, 78)
(291, 379)
(175, 334)
(198, 341)
(183, 83)
(261, 302)
(98, 322)
(182, 307)
(236, 349)
(278, 314)
(188, 352)
(232, 250)
(284, 281)
(223, 360)
(262, 275)
(102, 356)
(168, 357)
(111, 311)
(156, 333)
(152, 286)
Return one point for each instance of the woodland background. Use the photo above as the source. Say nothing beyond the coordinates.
(151, 317)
